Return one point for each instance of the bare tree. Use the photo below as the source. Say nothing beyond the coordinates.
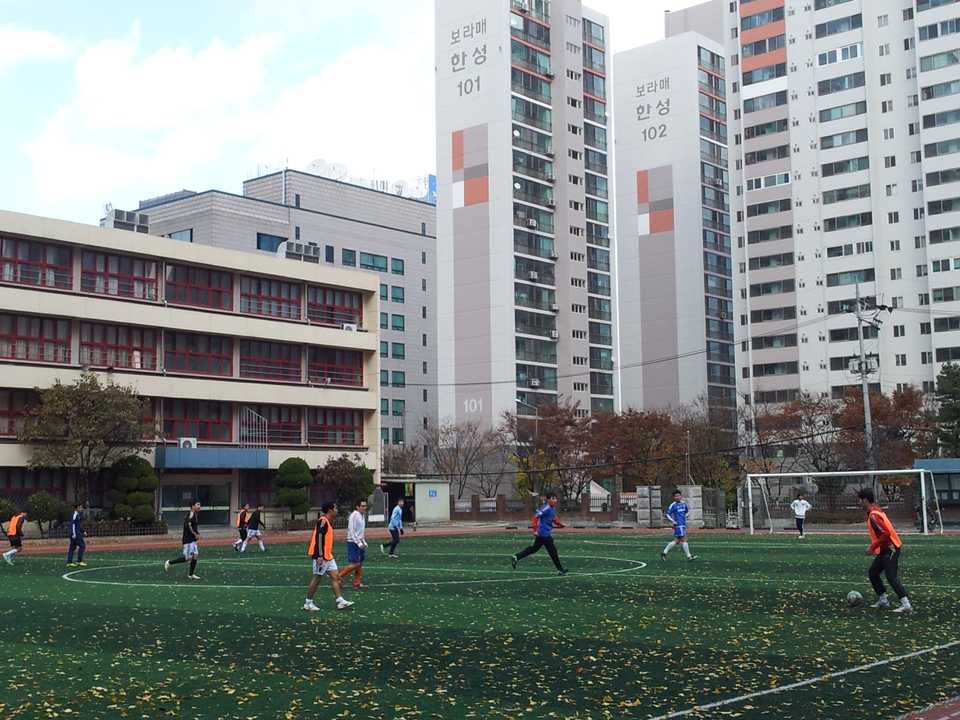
(461, 452)
(403, 460)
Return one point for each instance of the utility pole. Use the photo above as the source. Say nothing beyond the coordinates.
(689, 476)
(864, 371)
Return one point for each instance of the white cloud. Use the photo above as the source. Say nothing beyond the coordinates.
(19, 45)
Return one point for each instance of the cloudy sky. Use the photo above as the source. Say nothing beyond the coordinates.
(114, 101)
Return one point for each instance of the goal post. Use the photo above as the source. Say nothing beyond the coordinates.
(756, 490)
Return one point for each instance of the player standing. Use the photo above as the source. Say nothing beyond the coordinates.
(255, 527)
(356, 543)
(241, 526)
(191, 535)
(800, 508)
(396, 529)
(677, 514)
(77, 543)
(15, 536)
(885, 544)
(545, 520)
(320, 550)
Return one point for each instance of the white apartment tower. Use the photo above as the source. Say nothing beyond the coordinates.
(526, 290)
(845, 138)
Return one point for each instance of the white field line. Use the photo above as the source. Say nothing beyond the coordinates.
(804, 683)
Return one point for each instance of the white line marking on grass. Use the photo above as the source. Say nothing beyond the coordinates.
(71, 576)
(805, 581)
(654, 542)
(804, 683)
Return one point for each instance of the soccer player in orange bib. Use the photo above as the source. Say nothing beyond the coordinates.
(320, 550)
(885, 545)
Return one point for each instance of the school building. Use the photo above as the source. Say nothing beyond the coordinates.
(246, 361)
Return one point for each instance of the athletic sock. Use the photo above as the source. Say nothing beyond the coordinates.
(193, 566)
(10, 553)
(262, 548)
(670, 546)
(243, 546)
(686, 549)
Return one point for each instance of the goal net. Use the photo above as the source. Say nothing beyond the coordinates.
(908, 496)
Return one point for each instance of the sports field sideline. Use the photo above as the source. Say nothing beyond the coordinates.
(757, 625)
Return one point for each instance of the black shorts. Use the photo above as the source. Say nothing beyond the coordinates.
(16, 541)
(242, 532)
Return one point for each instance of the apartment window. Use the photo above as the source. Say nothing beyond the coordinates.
(14, 405)
(843, 111)
(921, 270)
(399, 408)
(886, 106)
(369, 261)
(899, 331)
(269, 243)
(762, 18)
(396, 293)
(384, 349)
(398, 322)
(841, 167)
(198, 287)
(283, 423)
(24, 337)
(118, 346)
(28, 262)
(888, 133)
(208, 421)
(841, 83)
(194, 354)
(924, 328)
(384, 378)
(939, 60)
(850, 277)
(270, 361)
(885, 79)
(348, 257)
(895, 245)
(328, 254)
(272, 298)
(893, 217)
(332, 366)
(399, 378)
(118, 275)
(384, 291)
(896, 273)
(840, 25)
(384, 406)
(330, 306)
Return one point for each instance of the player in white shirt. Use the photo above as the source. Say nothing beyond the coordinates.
(800, 507)
(356, 543)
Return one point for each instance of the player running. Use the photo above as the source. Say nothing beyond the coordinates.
(77, 542)
(544, 521)
(320, 550)
(677, 515)
(885, 544)
(800, 508)
(255, 527)
(356, 543)
(396, 530)
(191, 535)
(15, 536)
(242, 516)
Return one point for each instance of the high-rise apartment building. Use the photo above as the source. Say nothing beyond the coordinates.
(526, 292)
(845, 148)
(317, 220)
(673, 227)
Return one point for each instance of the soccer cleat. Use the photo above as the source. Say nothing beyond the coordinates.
(8, 560)
(904, 609)
(81, 564)
(562, 572)
(383, 550)
(344, 604)
(310, 606)
(193, 577)
(395, 557)
(692, 558)
(236, 547)
(882, 603)
(663, 556)
(71, 565)
(166, 566)
(514, 561)
(358, 587)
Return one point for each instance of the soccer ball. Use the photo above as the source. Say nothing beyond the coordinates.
(854, 599)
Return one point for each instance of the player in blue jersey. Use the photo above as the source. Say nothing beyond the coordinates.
(544, 522)
(677, 515)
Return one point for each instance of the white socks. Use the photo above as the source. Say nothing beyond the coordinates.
(686, 549)
(670, 546)
(243, 547)
(11, 552)
(262, 548)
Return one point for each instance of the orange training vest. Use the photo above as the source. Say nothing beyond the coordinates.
(13, 526)
(876, 516)
(321, 538)
(241, 518)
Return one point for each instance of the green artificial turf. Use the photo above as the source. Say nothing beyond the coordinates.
(449, 631)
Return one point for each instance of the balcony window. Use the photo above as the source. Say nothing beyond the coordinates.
(118, 346)
(599, 309)
(595, 85)
(329, 306)
(595, 137)
(530, 113)
(340, 428)
(330, 366)
(270, 361)
(601, 334)
(596, 185)
(530, 31)
(198, 354)
(28, 262)
(530, 85)
(271, 298)
(283, 423)
(532, 165)
(118, 275)
(526, 57)
(598, 210)
(24, 337)
(531, 192)
(531, 140)
(598, 284)
(601, 359)
(199, 287)
(593, 33)
(208, 421)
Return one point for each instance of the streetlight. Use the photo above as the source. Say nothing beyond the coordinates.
(536, 413)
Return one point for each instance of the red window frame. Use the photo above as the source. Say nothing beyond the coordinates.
(270, 298)
(39, 339)
(198, 287)
(334, 306)
(196, 354)
(118, 275)
(280, 362)
(29, 262)
(334, 427)
(284, 424)
(14, 405)
(332, 366)
(206, 420)
(119, 346)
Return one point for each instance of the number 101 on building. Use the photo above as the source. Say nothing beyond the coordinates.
(469, 86)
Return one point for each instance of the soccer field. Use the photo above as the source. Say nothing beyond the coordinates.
(450, 631)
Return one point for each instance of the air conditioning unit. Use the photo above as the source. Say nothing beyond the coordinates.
(312, 250)
(554, 256)
(550, 177)
(531, 223)
(534, 383)
(521, 6)
(551, 203)
(352, 327)
(555, 334)
(548, 74)
(533, 276)
(554, 307)
(187, 443)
